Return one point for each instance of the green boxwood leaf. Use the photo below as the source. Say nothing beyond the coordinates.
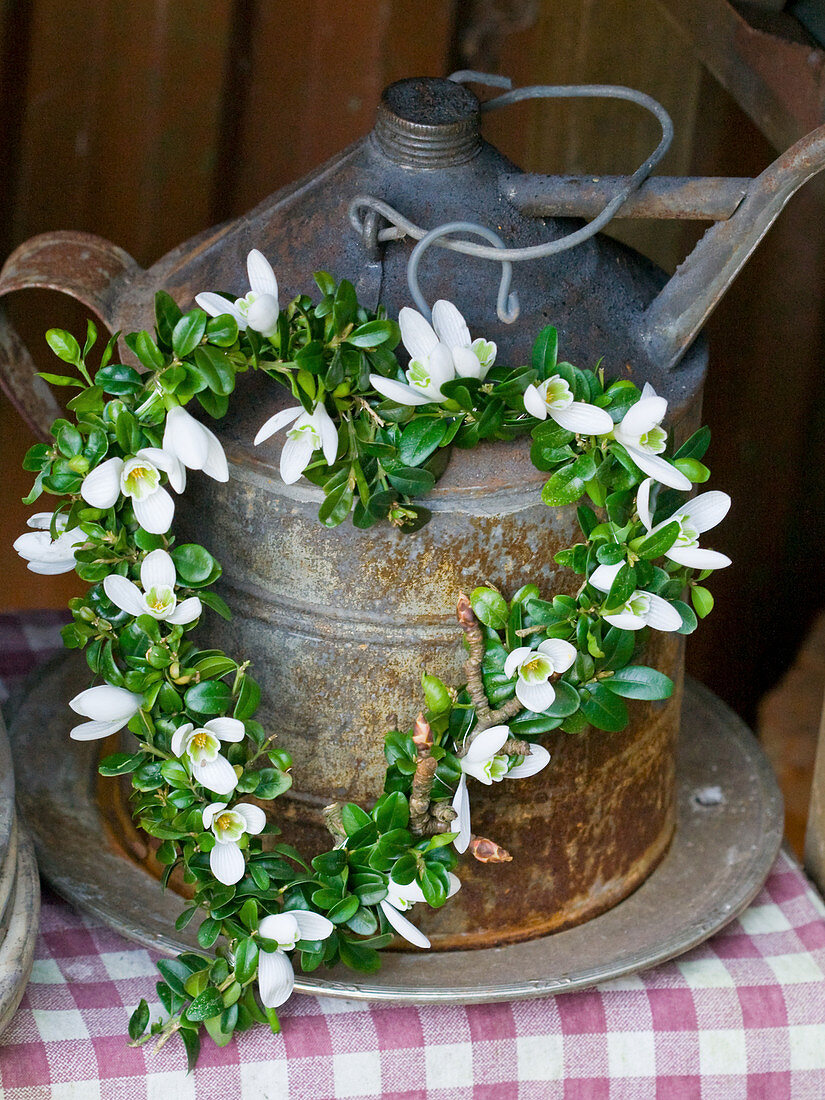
(188, 333)
(411, 481)
(139, 1020)
(419, 439)
(208, 697)
(205, 1005)
(490, 607)
(603, 709)
(639, 682)
(246, 960)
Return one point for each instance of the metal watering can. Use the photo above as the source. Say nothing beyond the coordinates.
(340, 624)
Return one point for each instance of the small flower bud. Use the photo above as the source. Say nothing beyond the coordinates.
(487, 851)
(422, 734)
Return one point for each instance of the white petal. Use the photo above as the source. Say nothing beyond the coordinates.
(514, 659)
(212, 809)
(661, 614)
(178, 746)
(659, 469)
(254, 816)
(101, 487)
(42, 521)
(404, 927)
(155, 513)
(416, 333)
(450, 326)
(227, 863)
(561, 653)
(455, 884)
(106, 703)
(185, 438)
(706, 510)
(261, 276)
(168, 462)
(643, 503)
(461, 805)
(539, 758)
(644, 415)
(624, 620)
(535, 697)
(467, 364)
(157, 570)
(583, 419)
(186, 612)
(216, 775)
(276, 978)
(311, 926)
(124, 594)
(440, 367)
(603, 576)
(486, 744)
(262, 315)
(49, 568)
(534, 403)
(696, 557)
(412, 893)
(226, 729)
(296, 455)
(398, 391)
(281, 927)
(328, 432)
(276, 422)
(92, 731)
(216, 465)
(216, 304)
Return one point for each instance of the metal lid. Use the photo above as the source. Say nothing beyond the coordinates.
(428, 122)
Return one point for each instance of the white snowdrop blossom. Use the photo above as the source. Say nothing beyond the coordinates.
(483, 762)
(554, 398)
(193, 444)
(138, 477)
(276, 978)
(694, 518)
(535, 667)
(42, 553)
(201, 745)
(641, 609)
(438, 353)
(642, 436)
(310, 432)
(109, 709)
(401, 898)
(157, 578)
(259, 308)
(228, 826)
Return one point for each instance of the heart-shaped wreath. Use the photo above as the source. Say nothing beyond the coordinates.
(375, 438)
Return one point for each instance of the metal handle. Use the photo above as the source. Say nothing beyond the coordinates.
(82, 265)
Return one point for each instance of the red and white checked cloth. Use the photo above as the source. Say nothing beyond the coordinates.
(742, 1016)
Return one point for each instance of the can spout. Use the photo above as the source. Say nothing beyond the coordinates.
(675, 317)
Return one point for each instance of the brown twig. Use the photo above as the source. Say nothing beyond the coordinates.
(333, 821)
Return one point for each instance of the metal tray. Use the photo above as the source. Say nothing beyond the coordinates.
(730, 824)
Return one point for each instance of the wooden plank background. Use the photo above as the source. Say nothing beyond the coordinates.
(150, 120)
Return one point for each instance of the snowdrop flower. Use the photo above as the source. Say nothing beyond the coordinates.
(157, 578)
(259, 308)
(535, 667)
(401, 898)
(483, 763)
(554, 398)
(201, 745)
(694, 518)
(641, 435)
(641, 609)
(109, 708)
(43, 554)
(437, 355)
(138, 477)
(228, 826)
(193, 444)
(310, 432)
(276, 978)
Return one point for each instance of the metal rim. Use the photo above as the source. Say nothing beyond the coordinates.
(728, 846)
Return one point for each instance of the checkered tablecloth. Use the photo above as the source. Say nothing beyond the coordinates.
(742, 1016)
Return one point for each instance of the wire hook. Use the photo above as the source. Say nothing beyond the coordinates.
(507, 305)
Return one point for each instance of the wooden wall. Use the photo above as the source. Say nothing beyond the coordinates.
(147, 121)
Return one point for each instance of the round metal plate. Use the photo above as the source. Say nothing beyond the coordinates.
(728, 834)
(17, 946)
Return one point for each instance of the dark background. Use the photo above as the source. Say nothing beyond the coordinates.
(146, 122)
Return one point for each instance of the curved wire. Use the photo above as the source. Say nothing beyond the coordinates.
(507, 306)
(401, 226)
